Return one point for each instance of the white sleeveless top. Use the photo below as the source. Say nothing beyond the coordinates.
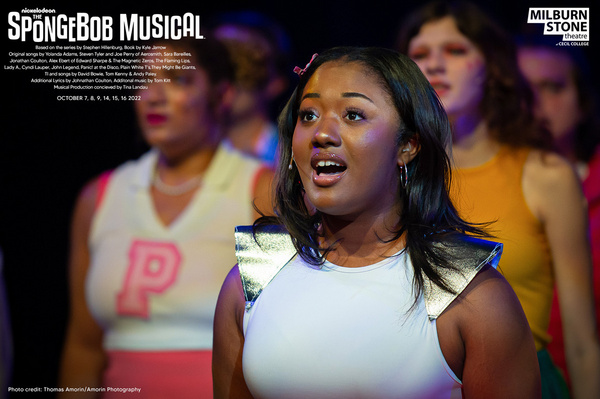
(337, 332)
(154, 287)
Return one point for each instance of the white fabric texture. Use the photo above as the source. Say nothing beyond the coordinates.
(336, 332)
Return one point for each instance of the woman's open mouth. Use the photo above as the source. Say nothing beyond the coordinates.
(327, 169)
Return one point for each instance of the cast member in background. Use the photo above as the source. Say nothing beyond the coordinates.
(566, 103)
(505, 174)
(152, 241)
(260, 52)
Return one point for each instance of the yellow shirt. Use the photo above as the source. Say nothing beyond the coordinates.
(493, 192)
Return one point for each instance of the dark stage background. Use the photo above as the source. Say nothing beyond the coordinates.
(49, 149)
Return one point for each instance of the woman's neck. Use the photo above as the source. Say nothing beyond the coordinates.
(361, 241)
(565, 145)
(176, 170)
(471, 142)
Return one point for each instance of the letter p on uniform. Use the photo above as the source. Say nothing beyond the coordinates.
(153, 268)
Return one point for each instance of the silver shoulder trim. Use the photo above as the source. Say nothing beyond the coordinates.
(261, 255)
(467, 256)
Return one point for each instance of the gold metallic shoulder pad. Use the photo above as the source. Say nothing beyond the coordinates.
(467, 255)
(261, 255)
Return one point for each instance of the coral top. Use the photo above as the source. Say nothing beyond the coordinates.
(493, 192)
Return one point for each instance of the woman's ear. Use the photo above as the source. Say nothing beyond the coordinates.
(408, 151)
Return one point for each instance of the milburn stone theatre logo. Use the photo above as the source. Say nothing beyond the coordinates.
(572, 23)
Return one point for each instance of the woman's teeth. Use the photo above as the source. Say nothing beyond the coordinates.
(329, 167)
(328, 163)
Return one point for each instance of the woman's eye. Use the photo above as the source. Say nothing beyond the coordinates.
(456, 50)
(307, 116)
(418, 55)
(354, 116)
(183, 79)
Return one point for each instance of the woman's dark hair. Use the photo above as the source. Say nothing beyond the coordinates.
(260, 55)
(507, 101)
(209, 54)
(427, 212)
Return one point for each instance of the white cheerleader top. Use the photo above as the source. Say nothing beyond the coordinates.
(153, 287)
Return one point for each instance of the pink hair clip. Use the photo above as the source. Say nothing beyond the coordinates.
(300, 71)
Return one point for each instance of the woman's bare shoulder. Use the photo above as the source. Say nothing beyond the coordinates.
(497, 340)
(231, 296)
(489, 305)
(548, 168)
(550, 181)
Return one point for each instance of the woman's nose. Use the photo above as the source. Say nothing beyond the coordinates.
(327, 133)
(155, 93)
(435, 63)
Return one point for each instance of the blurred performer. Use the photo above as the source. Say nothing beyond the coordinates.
(566, 103)
(506, 176)
(259, 49)
(153, 240)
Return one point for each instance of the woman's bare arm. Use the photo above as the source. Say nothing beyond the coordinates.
(553, 191)
(228, 342)
(500, 359)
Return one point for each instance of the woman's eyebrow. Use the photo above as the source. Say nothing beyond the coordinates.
(354, 94)
(311, 95)
(349, 94)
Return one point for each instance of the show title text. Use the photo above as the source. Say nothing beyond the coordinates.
(83, 27)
